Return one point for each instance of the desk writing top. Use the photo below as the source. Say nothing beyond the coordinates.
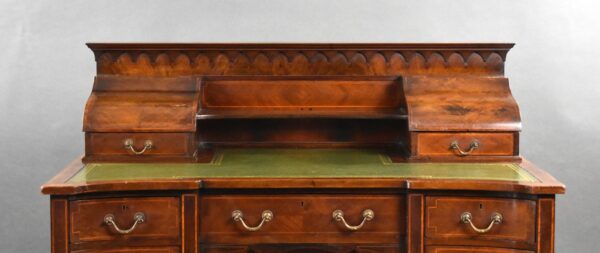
(302, 168)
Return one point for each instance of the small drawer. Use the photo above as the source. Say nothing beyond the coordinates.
(139, 218)
(302, 219)
(465, 144)
(133, 250)
(480, 219)
(139, 146)
(446, 249)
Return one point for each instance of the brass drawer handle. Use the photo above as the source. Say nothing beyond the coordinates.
(237, 215)
(128, 143)
(367, 214)
(139, 217)
(467, 218)
(474, 145)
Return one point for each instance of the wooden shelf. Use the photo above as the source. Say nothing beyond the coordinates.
(288, 113)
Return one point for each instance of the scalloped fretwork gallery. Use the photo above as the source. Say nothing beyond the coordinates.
(305, 62)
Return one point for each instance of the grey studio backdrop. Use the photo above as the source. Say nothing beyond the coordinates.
(46, 76)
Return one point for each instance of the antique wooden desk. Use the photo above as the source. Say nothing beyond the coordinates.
(302, 148)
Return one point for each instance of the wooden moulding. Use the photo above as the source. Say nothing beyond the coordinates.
(300, 59)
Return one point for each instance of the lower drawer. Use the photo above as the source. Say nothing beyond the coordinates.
(445, 249)
(480, 220)
(148, 218)
(301, 219)
(300, 248)
(132, 250)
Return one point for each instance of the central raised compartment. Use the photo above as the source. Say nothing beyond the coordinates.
(301, 111)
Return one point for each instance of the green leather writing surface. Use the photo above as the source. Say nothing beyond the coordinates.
(301, 163)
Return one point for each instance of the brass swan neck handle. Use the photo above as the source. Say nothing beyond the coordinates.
(367, 214)
(128, 144)
(238, 216)
(138, 217)
(467, 218)
(472, 147)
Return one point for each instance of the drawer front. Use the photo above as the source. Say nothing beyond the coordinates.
(132, 250)
(442, 249)
(300, 248)
(446, 219)
(139, 145)
(470, 144)
(161, 219)
(302, 219)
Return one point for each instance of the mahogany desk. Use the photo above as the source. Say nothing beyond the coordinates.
(258, 148)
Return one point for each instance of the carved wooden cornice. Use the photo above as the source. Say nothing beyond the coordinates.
(299, 59)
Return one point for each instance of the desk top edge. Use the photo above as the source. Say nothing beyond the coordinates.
(544, 183)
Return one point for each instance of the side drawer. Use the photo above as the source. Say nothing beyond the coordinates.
(161, 219)
(302, 219)
(446, 220)
(138, 146)
(446, 249)
(464, 144)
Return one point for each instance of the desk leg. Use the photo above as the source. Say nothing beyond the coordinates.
(545, 225)
(59, 218)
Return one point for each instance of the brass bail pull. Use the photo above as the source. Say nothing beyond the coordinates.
(128, 143)
(472, 147)
(467, 218)
(238, 216)
(138, 217)
(367, 214)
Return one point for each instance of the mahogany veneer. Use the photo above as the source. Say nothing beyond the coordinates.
(163, 214)
(426, 133)
(490, 144)
(303, 218)
(518, 224)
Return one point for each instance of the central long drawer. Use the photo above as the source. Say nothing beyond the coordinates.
(302, 219)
